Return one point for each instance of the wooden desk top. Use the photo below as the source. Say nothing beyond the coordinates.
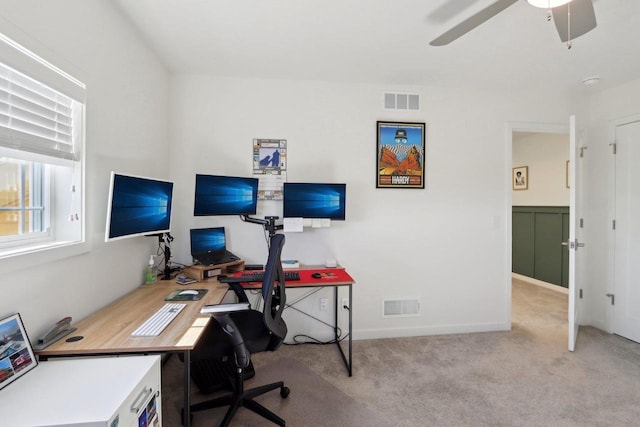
(108, 330)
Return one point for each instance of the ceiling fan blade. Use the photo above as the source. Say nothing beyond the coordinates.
(472, 22)
(583, 19)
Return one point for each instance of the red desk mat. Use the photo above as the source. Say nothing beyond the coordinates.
(328, 276)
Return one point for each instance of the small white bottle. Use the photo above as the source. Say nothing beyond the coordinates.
(150, 275)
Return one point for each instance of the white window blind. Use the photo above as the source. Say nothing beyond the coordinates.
(41, 106)
(34, 117)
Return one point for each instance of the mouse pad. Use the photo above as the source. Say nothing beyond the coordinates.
(180, 295)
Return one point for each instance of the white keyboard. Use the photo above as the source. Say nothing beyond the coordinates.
(154, 325)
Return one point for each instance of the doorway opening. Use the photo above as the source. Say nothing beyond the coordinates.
(539, 213)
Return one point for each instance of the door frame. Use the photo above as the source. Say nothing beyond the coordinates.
(510, 128)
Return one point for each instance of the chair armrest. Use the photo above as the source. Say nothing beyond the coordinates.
(224, 308)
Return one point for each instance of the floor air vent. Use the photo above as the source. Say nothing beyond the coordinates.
(401, 307)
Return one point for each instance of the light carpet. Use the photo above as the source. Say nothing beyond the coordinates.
(522, 377)
(308, 404)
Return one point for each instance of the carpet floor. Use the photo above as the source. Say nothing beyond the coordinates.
(310, 398)
(523, 377)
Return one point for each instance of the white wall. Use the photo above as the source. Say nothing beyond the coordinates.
(127, 106)
(545, 155)
(446, 244)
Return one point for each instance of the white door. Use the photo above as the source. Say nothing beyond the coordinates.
(626, 317)
(574, 244)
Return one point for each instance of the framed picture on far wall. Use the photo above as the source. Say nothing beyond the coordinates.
(16, 354)
(520, 178)
(400, 150)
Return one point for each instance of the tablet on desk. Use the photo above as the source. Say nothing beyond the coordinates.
(16, 354)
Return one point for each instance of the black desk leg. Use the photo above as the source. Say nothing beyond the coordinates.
(186, 412)
(336, 337)
(347, 362)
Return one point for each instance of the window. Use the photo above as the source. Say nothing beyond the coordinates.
(21, 197)
(41, 152)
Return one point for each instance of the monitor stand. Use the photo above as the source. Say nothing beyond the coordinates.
(166, 239)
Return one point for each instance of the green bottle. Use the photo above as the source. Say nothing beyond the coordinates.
(150, 273)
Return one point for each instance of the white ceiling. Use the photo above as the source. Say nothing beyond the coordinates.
(387, 42)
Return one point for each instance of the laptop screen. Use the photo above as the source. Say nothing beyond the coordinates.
(206, 240)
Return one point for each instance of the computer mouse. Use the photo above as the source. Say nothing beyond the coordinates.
(316, 275)
(189, 292)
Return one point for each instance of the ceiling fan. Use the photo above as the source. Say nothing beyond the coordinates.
(572, 18)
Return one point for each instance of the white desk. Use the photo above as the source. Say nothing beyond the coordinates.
(92, 392)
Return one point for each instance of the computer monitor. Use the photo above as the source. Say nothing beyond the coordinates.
(138, 206)
(314, 200)
(225, 195)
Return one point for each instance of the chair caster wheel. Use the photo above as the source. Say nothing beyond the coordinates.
(284, 392)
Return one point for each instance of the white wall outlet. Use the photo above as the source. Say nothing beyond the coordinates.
(324, 302)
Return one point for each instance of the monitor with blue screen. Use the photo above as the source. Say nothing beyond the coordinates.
(314, 200)
(225, 195)
(138, 206)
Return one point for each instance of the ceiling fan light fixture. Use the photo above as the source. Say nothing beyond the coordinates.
(547, 4)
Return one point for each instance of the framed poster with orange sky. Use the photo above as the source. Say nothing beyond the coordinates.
(401, 155)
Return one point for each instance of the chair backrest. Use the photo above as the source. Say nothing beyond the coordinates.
(273, 293)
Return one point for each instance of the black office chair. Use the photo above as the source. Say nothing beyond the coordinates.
(237, 331)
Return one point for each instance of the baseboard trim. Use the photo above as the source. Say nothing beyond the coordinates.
(537, 282)
(365, 334)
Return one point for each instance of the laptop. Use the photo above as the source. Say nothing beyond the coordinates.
(209, 246)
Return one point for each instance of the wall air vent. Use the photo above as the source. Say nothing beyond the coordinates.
(401, 101)
(401, 307)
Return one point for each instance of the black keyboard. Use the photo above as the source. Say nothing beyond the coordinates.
(257, 277)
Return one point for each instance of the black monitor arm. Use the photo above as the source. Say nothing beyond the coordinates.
(269, 223)
(166, 238)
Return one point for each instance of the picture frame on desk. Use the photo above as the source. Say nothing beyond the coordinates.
(16, 355)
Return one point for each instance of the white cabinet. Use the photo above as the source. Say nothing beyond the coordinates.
(91, 392)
